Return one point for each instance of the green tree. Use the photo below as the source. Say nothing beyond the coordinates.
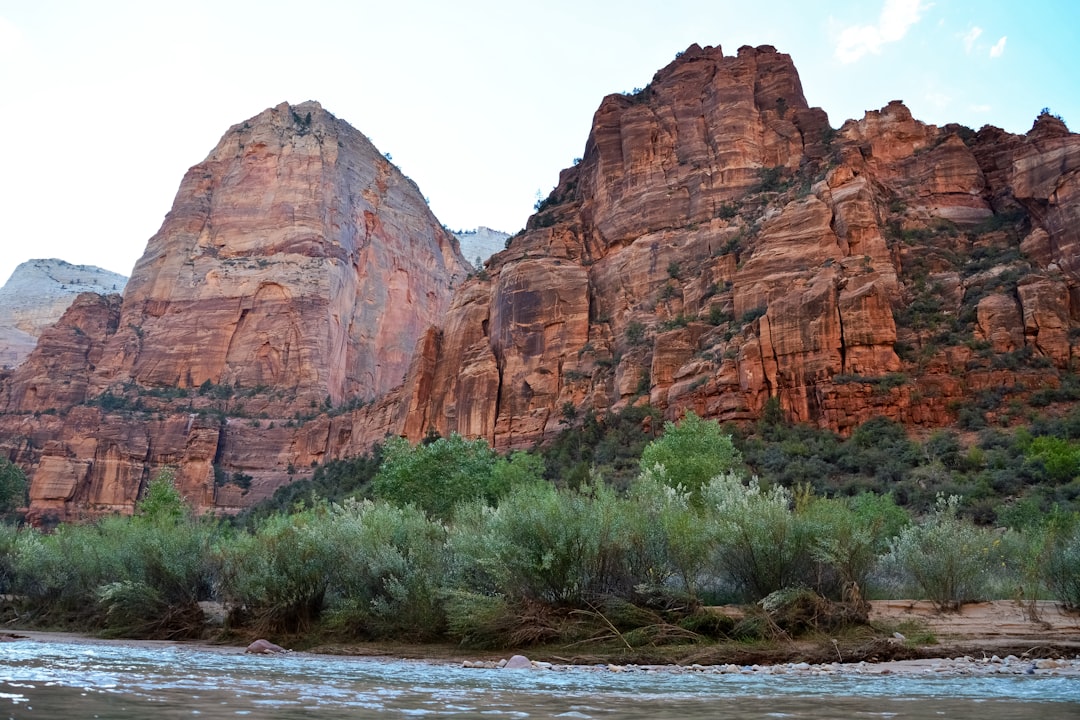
(12, 487)
(1060, 457)
(436, 476)
(692, 453)
(162, 501)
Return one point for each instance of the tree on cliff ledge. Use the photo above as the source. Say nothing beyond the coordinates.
(12, 487)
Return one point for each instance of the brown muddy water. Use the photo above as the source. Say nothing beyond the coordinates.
(106, 680)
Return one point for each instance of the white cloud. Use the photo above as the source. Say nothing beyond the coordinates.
(970, 37)
(897, 16)
(12, 42)
(981, 108)
(999, 48)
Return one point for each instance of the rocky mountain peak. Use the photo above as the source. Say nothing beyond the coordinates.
(720, 247)
(296, 273)
(296, 255)
(37, 294)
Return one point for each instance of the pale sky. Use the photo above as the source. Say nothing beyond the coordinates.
(105, 104)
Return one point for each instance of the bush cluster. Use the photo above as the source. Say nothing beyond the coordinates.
(449, 540)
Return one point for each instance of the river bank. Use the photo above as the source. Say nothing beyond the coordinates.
(1000, 637)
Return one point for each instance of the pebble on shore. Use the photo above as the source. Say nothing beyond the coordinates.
(966, 665)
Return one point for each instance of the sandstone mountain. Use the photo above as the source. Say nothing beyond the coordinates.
(296, 271)
(720, 246)
(480, 244)
(37, 294)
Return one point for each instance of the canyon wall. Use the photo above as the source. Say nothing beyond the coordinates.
(719, 244)
(720, 247)
(294, 275)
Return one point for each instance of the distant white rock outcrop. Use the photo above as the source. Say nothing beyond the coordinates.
(480, 244)
(37, 294)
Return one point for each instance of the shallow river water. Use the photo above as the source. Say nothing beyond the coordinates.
(71, 680)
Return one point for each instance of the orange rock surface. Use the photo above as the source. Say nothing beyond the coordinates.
(718, 246)
(294, 274)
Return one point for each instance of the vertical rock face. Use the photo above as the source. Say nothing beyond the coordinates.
(295, 274)
(719, 247)
(295, 257)
(719, 244)
(65, 358)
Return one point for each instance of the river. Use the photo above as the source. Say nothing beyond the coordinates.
(68, 680)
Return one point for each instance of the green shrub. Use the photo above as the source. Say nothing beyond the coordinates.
(386, 578)
(542, 544)
(1060, 457)
(1060, 564)
(610, 444)
(673, 539)
(635, 332)
(58, 574)
(12, 487)
(9, 536)
(166, 560)
(763, 546)
(771, 179)
(480, 620)
(275, 579)
(753, 314)
(945, 557)
(139, 576)
(847, 537)
(717, 316)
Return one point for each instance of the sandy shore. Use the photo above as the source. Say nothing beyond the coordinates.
(986, 624)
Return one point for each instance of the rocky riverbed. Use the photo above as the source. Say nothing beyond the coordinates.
(966, 665)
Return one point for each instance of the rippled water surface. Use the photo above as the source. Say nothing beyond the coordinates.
(79, 680)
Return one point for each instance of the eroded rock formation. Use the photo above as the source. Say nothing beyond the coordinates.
(294, 274)
(719, 244)
(718, 247)
(37, 294)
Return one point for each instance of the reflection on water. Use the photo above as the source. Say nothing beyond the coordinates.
(75, 680)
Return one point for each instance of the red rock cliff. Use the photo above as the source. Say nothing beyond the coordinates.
(295, 273)
(720, 244)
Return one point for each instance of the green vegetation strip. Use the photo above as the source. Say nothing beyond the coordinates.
(611, 537)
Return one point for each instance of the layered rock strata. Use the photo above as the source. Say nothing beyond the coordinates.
(720, 247)
(294, 274)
